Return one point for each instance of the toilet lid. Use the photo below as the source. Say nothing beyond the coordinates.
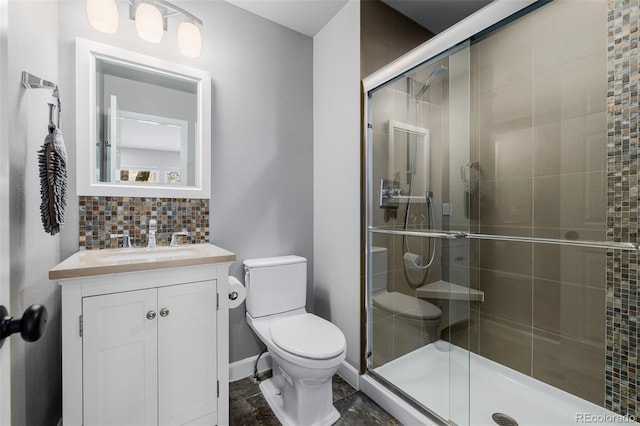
(406, 306)
(308, 336)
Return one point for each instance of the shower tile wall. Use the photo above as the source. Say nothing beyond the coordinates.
(622, 208)
(385, 35)
(102, 216)
(539, 101)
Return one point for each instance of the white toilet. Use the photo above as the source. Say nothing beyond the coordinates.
(306, 350)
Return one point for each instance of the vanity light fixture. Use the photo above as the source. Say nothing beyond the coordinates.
(103, 15)
(149, 23)
(150, 18)
(189, 39)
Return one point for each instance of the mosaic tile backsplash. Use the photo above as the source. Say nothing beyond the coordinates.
(621, 370)
(102, 216)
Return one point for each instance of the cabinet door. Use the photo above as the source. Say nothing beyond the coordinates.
(186, 352)
(120, 359)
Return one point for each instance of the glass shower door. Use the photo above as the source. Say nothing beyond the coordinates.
(460, 252)
(419, 278)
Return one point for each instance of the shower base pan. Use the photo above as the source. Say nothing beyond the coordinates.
(446, 379)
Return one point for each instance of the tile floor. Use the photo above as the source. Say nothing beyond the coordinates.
(247, 406)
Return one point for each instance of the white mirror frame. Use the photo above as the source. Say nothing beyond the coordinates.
(86, 54)
(422, 137)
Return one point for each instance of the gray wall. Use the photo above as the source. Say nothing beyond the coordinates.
(262, 183)
(262, 188)
(35, 367)
(261, 159)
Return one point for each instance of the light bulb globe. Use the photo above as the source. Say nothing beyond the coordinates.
(149, 24)
(189, 40)
(103, 15)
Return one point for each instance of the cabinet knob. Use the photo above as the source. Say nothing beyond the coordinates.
(164, 312)
(151, 315)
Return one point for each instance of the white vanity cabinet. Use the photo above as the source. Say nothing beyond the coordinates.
(152, 348)
(147, 347)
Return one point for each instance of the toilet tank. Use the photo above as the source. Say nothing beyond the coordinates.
(379, 261)
(275, 284)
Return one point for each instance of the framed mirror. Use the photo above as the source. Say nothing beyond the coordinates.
(143, 125)
(409, 152)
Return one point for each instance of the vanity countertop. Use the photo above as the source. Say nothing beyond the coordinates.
(110, 261)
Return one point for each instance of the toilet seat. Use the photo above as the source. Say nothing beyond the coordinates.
(262, 327)
(308, 336)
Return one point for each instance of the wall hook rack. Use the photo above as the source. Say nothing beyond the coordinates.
(30, 81)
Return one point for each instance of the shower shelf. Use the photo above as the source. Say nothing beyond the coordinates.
(610, 245)
(449, 291)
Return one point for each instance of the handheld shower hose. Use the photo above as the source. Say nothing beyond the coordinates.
(406, 249)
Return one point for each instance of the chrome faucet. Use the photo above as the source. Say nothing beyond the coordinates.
(126, 239)
(175, 235)
(153, 227)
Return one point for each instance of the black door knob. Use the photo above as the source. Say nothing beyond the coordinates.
(31, 326)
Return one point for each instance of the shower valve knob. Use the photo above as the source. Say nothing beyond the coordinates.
(392, 192)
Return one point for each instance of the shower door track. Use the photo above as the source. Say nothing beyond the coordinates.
(448, 235)
(410, 400)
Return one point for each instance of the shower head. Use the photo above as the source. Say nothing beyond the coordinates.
(434, 74)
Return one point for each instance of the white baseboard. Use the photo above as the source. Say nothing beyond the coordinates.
(393, 404)
(244, 368)
(349, 374)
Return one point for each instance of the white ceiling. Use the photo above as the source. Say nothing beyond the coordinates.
(304, 16)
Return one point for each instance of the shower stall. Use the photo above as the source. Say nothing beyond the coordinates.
(501, 217)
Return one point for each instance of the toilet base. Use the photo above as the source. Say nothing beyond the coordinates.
(273, 395)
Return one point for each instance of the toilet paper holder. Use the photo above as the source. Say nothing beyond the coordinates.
(237, 293)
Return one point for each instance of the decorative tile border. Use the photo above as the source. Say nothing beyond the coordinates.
(621, 370)
(102, 216)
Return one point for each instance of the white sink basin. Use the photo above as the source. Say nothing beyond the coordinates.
(147, 255)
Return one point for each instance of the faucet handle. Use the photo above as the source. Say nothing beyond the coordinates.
(175, 235)
(126, 239)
